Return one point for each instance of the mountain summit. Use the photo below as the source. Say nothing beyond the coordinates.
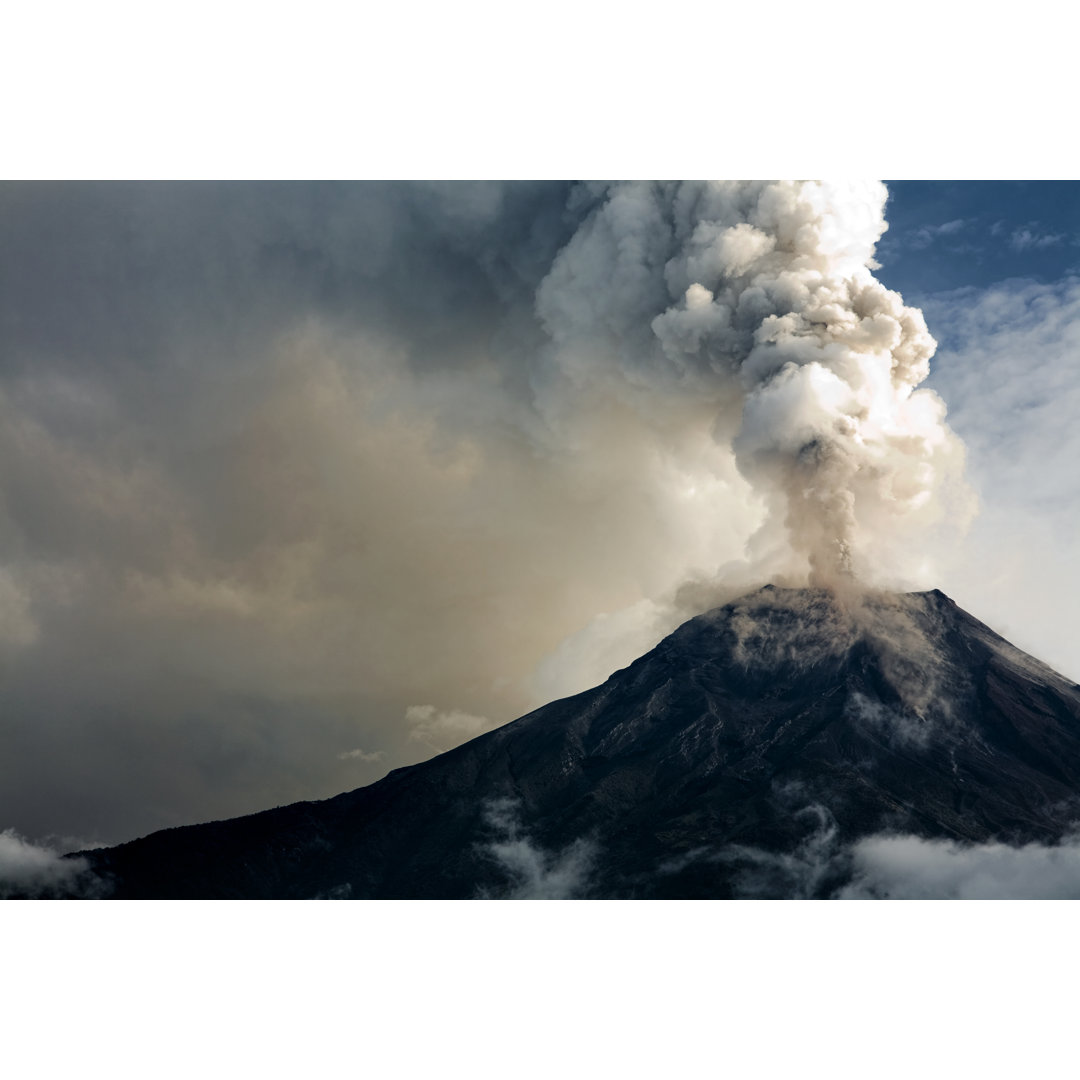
(748, 754)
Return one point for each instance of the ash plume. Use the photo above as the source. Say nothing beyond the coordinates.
(280, 462)
(758, 301)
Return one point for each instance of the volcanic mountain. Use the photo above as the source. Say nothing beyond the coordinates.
(744, 756)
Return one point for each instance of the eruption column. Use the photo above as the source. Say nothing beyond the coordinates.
(760, 298)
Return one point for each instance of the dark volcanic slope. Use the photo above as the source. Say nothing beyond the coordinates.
(749, 727)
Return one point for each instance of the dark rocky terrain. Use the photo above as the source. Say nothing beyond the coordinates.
(787, 722)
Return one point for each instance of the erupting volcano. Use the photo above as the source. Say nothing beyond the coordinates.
(376, 468)
(788, 744)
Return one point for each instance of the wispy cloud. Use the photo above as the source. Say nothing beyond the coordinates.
(800, 874)
(925, 235)
(896, 867)
(1029, 236)
(812, 869)
(36, 872)
(911, 868)
(338, 892)
(362, 755)
(533, 873)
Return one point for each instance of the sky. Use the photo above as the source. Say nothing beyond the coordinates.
(304, 482)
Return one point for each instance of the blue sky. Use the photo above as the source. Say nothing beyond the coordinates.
(947, 234)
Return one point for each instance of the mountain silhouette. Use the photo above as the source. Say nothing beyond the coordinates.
(742, 756)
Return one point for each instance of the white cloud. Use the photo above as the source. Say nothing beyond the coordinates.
(910, 868)
(925, 235)
(535, 874)
(362, 755)
(33, 871)
(1028, 237)
(895, 867)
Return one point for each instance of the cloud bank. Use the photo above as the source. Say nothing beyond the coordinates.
(910, 868)
(890, 866)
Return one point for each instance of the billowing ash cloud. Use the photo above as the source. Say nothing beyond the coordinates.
(279, 462)
(757, 302)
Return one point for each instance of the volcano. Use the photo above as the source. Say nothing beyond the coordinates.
(745, 756)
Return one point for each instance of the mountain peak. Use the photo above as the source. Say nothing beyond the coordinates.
(783, 718)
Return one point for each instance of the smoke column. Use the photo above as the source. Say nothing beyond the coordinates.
(758, 300)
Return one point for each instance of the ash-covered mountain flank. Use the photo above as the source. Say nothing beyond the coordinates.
(750, 753)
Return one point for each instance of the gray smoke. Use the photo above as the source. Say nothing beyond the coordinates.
(279, 462)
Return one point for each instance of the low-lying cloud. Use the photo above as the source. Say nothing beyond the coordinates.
(34, 872)
(911, 868)
(800, 874)
(890, 866)
(532, 872)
